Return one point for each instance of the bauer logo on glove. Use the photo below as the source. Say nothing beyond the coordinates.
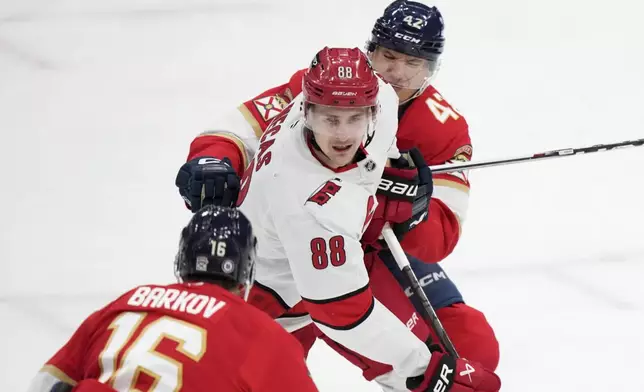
(397, 188)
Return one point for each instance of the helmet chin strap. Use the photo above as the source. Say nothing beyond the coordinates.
(311, 138)
(368, 136)
(310, 135)
(425, 84)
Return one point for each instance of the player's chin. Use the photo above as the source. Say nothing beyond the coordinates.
(403, 91)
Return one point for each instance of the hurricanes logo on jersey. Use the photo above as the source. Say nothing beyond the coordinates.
(325, 192)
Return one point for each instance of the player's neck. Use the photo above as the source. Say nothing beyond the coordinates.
(321, 156)
(317, 152)
(406, 95)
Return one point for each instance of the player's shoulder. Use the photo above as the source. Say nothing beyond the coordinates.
(255, 317)
(241, 316)
(125, 297)
(154, 291)
(388, 102)
(149, 296)
(386, 93)
(432, 108)
(270, 103)
(294, 87)
(251, 321)
(124, 301)
(102, 315)
(433, 124)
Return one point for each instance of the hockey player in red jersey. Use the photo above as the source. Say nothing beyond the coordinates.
(196, 335)
(405, 47)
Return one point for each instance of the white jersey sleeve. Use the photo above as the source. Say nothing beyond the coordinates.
(388, 118)
(321, 240)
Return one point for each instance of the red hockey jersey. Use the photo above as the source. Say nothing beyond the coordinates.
(428, 122)
(190, 336)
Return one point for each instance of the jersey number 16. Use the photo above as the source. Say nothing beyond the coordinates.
(141, 356)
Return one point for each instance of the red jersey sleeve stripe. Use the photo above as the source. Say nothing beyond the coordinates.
(220, 145)
(267, 300)
(344, 312)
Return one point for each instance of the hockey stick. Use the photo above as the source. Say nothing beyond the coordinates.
(401, 258)
(403, 263)
(564, 152)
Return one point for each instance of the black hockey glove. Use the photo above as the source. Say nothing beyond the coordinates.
(206, 180)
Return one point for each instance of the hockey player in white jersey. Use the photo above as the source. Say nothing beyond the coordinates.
(309, 192)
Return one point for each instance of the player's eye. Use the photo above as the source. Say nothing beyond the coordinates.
(355, 119)
(332, 121)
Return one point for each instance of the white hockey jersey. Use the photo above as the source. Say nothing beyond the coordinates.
(309, 220)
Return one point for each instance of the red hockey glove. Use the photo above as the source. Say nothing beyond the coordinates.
(447, 374)
(403, 196)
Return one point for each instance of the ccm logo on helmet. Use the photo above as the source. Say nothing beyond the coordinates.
(408, 38)
(397, 188)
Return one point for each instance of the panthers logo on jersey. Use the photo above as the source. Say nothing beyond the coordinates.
(269, 107)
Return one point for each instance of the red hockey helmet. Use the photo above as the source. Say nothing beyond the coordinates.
(340, 77)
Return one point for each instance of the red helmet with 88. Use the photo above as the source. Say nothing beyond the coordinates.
(340, 77)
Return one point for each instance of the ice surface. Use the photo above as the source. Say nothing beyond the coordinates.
(99, 101)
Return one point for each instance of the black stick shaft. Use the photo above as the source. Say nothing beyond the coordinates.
(429, 313)
(564, 152)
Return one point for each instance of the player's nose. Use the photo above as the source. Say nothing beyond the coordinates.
(395, 71)
(342, 134)
(339, 139)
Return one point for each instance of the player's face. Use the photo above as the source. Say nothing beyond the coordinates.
(338, 131)
(405, 73)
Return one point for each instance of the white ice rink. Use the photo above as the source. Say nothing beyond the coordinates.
(99, 101)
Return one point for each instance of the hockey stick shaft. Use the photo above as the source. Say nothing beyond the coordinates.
(564, 152)
(430, 315)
